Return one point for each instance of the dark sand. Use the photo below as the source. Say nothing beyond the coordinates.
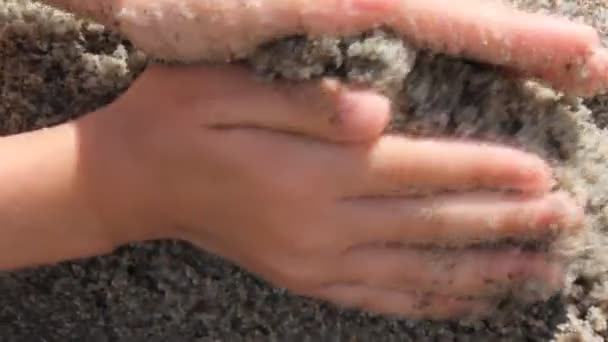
(55, 67)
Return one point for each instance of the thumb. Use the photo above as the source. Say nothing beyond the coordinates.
(324, 109)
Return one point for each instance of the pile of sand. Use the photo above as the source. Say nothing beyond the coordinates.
(54, 67)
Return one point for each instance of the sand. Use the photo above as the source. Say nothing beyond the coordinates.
(55, 67)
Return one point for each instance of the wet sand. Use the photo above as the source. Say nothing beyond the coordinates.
(55, 67)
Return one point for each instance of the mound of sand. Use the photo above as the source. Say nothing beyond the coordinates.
(55, 66)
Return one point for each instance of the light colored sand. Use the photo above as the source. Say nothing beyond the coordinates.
(54, 67)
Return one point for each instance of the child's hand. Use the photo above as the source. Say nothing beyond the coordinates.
(567, 55)
(212, 156)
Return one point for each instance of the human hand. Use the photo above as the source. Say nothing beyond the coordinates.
(567, 55)
(212, 156)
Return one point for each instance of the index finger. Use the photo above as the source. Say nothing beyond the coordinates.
(566, 54)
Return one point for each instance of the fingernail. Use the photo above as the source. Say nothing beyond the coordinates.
(548, 214)
(572, 215)
(539, 279)
(363, 112)
(543, 286)
(537, 176)
(598, 65)
(565, 212)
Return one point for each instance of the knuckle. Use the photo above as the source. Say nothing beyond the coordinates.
(291, 189)
(303, 185)
(393, 171)
(318, 98)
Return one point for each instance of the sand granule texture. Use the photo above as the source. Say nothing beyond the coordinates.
(55, 67)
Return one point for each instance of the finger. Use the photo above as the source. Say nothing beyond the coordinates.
(220, 30)
(234, 98)
(389, 166)
(325, 109)
(480, 273)
(397, 163)
(217, 30)
(565, 53)
(459, 219)
(408, 305)
(586, 76)
(562, 52)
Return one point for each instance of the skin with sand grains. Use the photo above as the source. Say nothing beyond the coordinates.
(441, 96)
(302, 228)
(567, 55)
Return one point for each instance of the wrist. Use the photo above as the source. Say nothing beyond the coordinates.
(43, 213)
(70, 192)
(116, 188)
